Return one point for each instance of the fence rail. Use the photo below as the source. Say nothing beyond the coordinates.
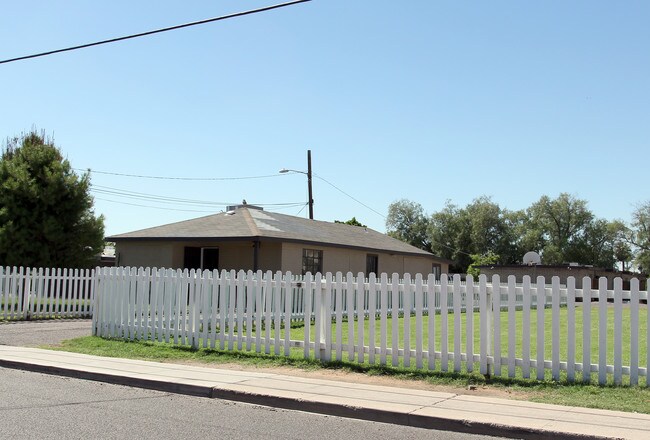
(501, 329)
(28, 293)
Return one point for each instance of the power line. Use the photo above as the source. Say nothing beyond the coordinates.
(140, 176)
(106, 190)
(353, 198)
(156, 31)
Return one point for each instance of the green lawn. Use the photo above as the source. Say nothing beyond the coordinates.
(297, 333)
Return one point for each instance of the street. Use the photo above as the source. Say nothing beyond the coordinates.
(34, 405)
(35, 333)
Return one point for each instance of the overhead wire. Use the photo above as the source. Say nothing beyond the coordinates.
(141, 176)
(106, 190)
(156, 31)
(348, 195)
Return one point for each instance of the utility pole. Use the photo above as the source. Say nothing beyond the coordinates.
(311, 198)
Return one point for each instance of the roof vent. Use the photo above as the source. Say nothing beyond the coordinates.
(243, 205)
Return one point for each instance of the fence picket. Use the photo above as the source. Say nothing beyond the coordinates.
(483, 320)
(540, 298)
(349, 294)
(571, 329)
(394, 320)
(361, 316)
(469, 322)
(512, 325)
(586, 329)
(618, 331)
(339, 316)
(383, 320)
(431, 330)
(555, 330)
(444, 324)
(372, 315)
(288, 301)
(309, 288)
(634, 332)
(602, 331)
(496, 324)
(457, 305)
(525, 328)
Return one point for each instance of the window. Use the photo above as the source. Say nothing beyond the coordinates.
(436, 270)
(209, 258)
(192, 258)
(312, 261)
(372, 264)
(206, 258)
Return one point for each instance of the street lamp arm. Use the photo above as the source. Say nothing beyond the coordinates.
(285, 170)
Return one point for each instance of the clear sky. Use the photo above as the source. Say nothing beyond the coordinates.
(424, 100)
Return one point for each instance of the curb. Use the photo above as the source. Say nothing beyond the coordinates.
(331, 409)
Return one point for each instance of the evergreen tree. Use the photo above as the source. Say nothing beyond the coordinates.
(46, 211)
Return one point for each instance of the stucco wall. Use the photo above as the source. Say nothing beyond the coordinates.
(272, 256)
(145, 254)
(351, 260)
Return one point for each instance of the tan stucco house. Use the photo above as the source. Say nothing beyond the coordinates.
(249, 238)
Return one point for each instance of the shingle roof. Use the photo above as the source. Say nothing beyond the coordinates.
(249, 223)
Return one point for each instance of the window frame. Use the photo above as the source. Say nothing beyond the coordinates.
(312, 259)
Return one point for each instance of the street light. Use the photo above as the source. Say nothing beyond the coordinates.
(308, 174)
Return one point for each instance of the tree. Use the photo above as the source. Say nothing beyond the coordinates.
(481, 260)
(407, 221)
(353, 222)
(46, 216)
(481, 228)
(640, 236)
(556, 228)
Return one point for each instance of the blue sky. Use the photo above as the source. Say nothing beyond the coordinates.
(424, 100)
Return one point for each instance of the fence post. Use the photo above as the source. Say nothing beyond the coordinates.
(490, 330)
(324, 319)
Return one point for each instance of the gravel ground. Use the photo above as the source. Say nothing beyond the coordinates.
(36, 333)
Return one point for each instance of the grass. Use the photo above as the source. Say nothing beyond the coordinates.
(46, 306)
(630, 399)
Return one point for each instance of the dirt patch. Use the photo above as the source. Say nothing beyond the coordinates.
(347, 376)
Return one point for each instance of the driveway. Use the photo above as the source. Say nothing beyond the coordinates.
(35, 333)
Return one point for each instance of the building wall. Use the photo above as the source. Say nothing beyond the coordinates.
(144, 254)
(563, 272)
(352, 260)
(272, 256)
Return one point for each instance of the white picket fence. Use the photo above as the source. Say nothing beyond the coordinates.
(28, 293)
(354, 320)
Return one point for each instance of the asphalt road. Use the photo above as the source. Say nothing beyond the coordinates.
(34, 405)
(35, 333)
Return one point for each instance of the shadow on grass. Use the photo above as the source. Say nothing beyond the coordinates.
(167, 351)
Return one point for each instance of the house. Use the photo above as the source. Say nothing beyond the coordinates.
(249, 238)
(563, 271)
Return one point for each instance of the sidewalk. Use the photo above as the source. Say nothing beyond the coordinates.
(445, 411)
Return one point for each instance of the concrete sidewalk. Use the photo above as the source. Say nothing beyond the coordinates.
(460, 413)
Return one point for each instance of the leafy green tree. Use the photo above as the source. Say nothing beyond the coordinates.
(46, 216)
(407, 221)
(603, 244)
(556, 228)
(353, 222)
(481, 228)
(481, 260)
(640, 236)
